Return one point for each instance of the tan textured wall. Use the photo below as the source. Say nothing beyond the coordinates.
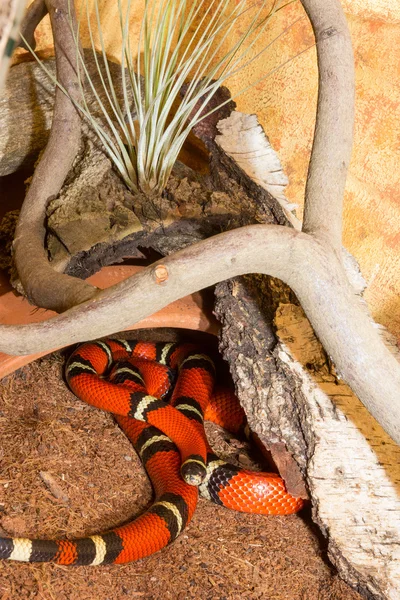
(285, 104)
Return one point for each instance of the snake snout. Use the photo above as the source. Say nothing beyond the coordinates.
(194, 470)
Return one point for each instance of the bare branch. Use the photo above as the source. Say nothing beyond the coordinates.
(34, 14)
(314, 274)
(327, 172)
(43, 286)
(333, 137)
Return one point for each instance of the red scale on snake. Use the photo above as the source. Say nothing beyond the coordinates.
(160, 394)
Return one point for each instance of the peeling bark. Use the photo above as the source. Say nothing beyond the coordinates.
(244, 140)
(352, 465)
(291, 393)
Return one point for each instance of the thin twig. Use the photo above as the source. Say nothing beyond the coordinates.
(34, 14)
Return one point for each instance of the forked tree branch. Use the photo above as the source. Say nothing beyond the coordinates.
(313, 272)
(308, 262)
(327, 173)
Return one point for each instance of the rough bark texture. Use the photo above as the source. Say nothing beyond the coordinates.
(95, 221)
(292, 394)
(26, 109)
(245, 306)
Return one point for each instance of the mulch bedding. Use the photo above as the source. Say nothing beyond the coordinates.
(67, 470)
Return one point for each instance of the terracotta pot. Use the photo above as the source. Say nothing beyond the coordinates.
(192, 312)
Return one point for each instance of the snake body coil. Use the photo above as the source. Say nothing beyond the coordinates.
(162, 415)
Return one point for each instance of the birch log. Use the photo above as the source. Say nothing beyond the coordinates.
(291, 394)
(353, 466)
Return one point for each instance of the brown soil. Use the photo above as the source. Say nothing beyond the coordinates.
(99, 483)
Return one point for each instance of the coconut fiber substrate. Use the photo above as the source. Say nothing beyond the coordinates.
(68, 470)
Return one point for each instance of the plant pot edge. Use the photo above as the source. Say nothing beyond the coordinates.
(191, 312)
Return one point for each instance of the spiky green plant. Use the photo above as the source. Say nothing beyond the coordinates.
(180, 41)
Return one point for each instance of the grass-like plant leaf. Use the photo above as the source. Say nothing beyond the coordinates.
(180, 41)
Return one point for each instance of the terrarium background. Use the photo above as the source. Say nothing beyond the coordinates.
(285, 104)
